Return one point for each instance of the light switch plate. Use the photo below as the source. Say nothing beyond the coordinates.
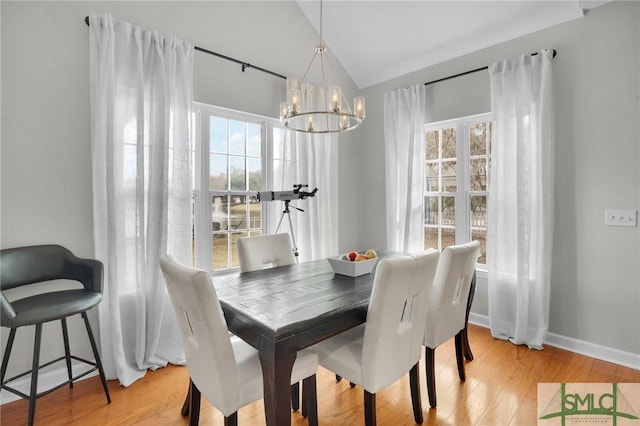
(621, 218)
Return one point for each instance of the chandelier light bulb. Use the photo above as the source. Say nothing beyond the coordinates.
(358, 105)
(335, 93)
(284, 110)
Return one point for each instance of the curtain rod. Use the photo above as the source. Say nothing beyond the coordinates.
(472, 71)
(244, 64)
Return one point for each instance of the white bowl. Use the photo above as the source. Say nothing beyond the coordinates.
(352, 269)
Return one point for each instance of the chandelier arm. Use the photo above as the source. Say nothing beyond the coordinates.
(333, 73)
(308, 68)
(324, 80)
(324, 84)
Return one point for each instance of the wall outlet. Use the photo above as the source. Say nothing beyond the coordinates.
(621, 218)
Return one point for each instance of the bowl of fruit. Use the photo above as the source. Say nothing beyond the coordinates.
(354, 264)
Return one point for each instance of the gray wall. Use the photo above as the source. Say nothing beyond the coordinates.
(46, 163)
(595, 283)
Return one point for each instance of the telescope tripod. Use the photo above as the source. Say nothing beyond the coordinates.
(288, 213)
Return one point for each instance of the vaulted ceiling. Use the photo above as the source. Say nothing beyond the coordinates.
(379, 40)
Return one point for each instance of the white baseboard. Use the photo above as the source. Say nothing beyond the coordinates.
(46, 380)
(593, 350)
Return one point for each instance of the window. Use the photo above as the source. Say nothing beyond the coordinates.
(456, 182)
(230, 167)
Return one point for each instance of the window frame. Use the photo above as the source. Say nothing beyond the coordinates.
(463, 194)
(201, 191)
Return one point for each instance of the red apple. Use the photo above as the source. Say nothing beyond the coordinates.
(352, 255)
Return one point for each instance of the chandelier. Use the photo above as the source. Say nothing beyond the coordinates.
(332, 113)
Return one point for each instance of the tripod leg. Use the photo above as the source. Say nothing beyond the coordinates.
(293, 239)
(280, 223)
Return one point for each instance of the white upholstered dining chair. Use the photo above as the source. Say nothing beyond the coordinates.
(222, 367)
(447, 311)
(388, 345)
(264, 251)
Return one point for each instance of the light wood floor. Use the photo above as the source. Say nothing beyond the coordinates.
(501, 389)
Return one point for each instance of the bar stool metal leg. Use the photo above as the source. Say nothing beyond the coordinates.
(7, 352)
(97, 357)
(33, 394)
(67, 352)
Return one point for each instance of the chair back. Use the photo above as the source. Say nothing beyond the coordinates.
(31, 264)
(396, 318)
(210, 359)
(264, 251)
(447, 310)
(40, 264)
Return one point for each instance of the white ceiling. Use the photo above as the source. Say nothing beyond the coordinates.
(379, 40)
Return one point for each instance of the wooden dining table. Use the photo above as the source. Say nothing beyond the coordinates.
(282, 310)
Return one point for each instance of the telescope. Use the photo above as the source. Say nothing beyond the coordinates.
(296, 194)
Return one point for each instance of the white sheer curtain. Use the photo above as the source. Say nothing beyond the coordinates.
(520, 210)
(141, 96)
(308, 159)
(404, 116)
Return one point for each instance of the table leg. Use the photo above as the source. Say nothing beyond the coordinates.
(277, 359)
(186, 406)
(466, 349)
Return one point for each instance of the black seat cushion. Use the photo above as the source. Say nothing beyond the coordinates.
(52, 306)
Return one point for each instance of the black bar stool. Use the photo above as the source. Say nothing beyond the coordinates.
(40, 264)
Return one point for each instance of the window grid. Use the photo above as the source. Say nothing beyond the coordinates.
(457, 160)
(229, 153)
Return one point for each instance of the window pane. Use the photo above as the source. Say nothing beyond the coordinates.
(236, 137)
(255, 213)
(432, 181)
(431, 238)
(481, 235)
(218, 178)
(254, 140)
(478, 214)
(238, 218)
(254, 166)
(448, 215)
(478, 139)
(218, 134)
(448, 236)
(449, 176)
(478, 174)
(478, 219)
(238, 177)
(431, 210)
(449, 143)
(220, 246)
(234, 249)
(219, 212)
(431, 148)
